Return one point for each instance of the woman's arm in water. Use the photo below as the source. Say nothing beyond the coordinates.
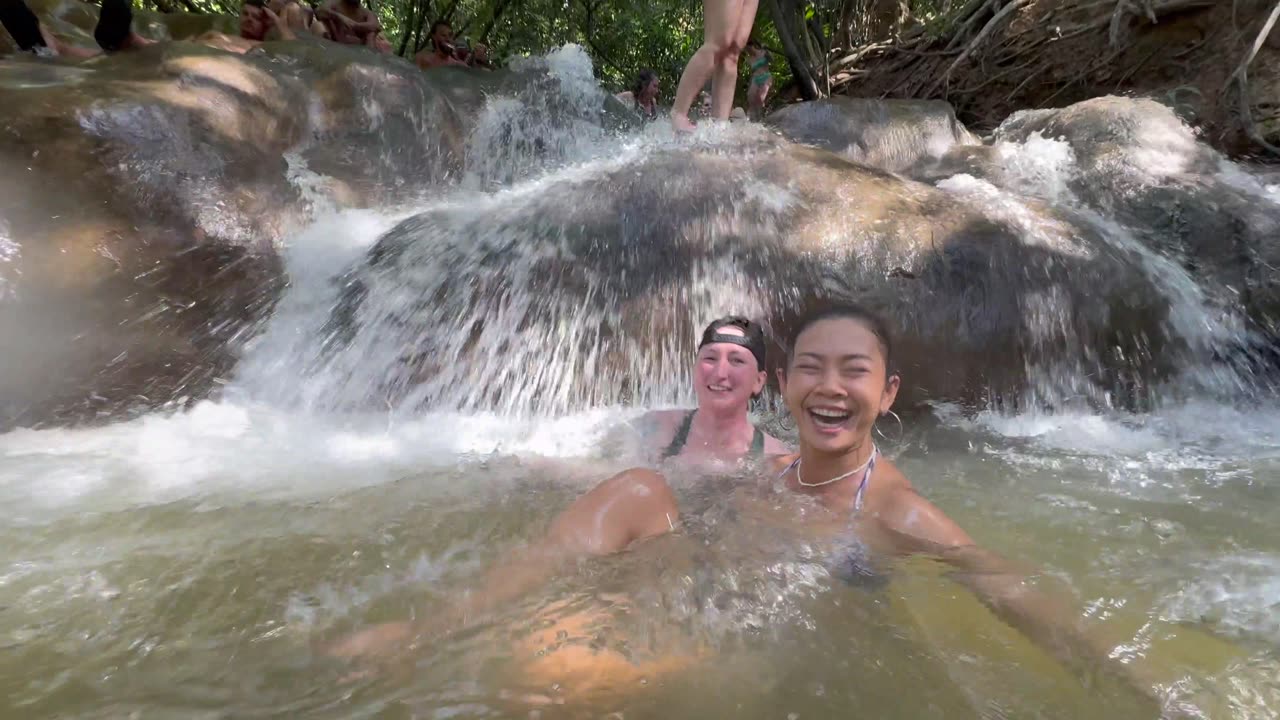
(630, 506)
(916, 526)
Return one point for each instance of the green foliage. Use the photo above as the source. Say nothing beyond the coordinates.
(624, 36)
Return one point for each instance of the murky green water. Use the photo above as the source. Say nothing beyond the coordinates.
(187, 567)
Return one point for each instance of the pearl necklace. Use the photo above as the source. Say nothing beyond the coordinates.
(838, 478)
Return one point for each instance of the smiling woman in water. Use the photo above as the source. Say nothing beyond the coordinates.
(837, 383)
(728, 372)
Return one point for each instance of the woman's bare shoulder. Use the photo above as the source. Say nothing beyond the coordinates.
(889, 477)
(662, 421)
(777, 462)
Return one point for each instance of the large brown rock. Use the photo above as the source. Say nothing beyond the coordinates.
(888, 134)
(144, 197)
(1138, 163)
(587, 289)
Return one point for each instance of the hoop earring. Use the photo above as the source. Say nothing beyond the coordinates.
(902, 429)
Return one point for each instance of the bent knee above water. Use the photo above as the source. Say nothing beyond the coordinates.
(654, 498)
(643, 502)
(644, 486)
(629, 506)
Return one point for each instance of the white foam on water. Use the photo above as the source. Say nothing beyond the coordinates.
(1040, 167)
(255, 451)
(1217, 432)
(9, 252)
(554, 119)
(1238, 594)
(1164, 146)
(1038, 229)
(315, 259)
(1045, 169)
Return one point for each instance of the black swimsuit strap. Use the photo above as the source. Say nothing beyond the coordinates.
(681, 437)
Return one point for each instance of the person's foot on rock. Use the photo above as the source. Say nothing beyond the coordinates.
(681, 123)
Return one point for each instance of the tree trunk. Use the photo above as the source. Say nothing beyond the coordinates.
(791, 48)
(881, 18)
(412, 24)
(496, 15)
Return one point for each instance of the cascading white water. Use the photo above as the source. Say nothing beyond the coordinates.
(557, 118)
(1047, 169)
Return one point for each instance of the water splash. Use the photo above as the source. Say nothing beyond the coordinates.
(1238, 594)
(1048, 169)
(514, 343)
(9, 251)
(553, 116)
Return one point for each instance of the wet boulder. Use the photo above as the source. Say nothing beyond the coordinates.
(145, 196)
(888, 134)
(588, 289)
(1139, 163)
(979, 161)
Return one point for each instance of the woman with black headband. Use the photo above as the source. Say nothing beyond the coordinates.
(729, 370)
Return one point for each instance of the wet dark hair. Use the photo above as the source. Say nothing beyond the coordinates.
(752, 337)
(847, 311)
(437, 25)
(642, 81)
(114, 23)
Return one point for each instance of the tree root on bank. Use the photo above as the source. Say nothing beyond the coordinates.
(1241, 82)
(982, 35)
(1029, 53)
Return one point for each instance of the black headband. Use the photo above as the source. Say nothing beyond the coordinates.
(757, 349)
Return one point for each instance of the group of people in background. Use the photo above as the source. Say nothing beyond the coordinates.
(347, 22)
(727, 31)
(444, 50)
(350, 23)
(644, 92)
(342, 21)
(113, 32)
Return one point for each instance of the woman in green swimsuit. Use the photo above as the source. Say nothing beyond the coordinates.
(760, 82)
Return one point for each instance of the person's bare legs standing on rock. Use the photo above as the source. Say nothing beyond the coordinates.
(727, 26)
